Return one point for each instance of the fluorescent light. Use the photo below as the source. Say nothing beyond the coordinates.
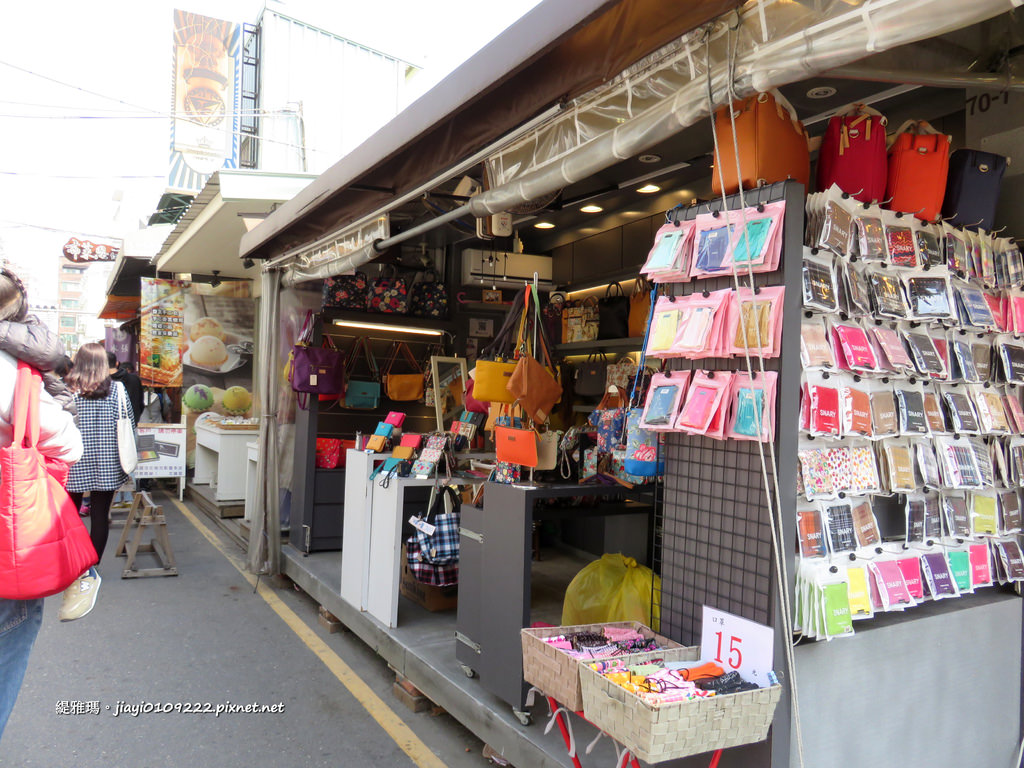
(544, 225)
(648, 189)
(391, 328)
(591, 209)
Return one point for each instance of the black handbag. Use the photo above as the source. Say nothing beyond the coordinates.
(972, 188)
(613, 314)
(591, 376)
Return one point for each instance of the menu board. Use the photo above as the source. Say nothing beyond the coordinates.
(162, 332)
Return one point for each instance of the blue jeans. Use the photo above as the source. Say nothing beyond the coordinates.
(19, 624)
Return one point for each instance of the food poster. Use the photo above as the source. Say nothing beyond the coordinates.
(217, 358)
(161, 334)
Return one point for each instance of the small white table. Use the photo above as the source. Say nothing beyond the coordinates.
(221, 459)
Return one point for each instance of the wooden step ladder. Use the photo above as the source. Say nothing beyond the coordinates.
(142, 515)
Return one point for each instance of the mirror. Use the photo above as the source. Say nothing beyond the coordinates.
(449, 376)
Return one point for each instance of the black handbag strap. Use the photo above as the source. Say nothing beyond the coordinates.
(504, 340)
(438, 505)
(608, 290)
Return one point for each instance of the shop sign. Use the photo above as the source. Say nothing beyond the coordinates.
(86, 251)
(161, 450)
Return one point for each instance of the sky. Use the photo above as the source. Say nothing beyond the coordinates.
(72, 163)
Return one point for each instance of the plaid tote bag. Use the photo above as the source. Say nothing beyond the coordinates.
(428, 573)
(442, 546)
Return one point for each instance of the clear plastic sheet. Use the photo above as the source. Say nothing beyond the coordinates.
(775, 41)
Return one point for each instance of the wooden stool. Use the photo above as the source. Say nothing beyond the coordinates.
(144, 514)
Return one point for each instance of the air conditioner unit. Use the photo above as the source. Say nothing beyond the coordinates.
(504, 269)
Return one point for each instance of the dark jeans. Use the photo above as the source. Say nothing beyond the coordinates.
(99, 513)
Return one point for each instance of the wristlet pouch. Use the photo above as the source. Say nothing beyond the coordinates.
(44, 545)
(772, 143)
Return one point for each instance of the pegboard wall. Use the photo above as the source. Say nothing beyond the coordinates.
(712, 540)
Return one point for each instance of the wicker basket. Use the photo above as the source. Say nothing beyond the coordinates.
(677, 729)
(556, 672)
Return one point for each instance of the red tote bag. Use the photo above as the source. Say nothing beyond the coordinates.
(44, 545)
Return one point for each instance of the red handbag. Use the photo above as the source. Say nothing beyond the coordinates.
(44, 545)
(918, 167)
(516, 446)
(852, 154)
(328, 452)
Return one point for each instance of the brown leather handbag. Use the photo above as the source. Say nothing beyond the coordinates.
(404, 386)
(534, 387)
(772, 144)
(639, 308)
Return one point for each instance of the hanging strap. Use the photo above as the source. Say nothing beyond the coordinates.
(306, 332)
(500, 346)
(402, 348)
(25, 414)
(643, 349)
(362, 343)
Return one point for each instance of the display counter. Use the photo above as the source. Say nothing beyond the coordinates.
(221, 457)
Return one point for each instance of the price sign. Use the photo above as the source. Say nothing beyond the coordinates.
(734, 643)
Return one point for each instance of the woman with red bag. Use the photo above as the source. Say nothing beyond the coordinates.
(59, 439)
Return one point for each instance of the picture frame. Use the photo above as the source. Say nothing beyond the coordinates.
(491, 297)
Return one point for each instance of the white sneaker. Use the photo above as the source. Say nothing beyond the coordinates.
(80, 597)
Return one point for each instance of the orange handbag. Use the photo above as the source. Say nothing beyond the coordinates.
(404, 387)
(772, 143)
(918, 167)
(516, 446)
(639, 308)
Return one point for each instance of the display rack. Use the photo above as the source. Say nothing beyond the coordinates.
(711, 537)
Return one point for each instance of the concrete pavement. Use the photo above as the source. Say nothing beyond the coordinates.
(206, 640)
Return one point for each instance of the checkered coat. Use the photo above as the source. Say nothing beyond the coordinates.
(99, 469)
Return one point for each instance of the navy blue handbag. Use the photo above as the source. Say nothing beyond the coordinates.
(972, 188)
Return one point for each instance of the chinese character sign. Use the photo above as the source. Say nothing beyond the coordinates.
(162, 332)
(80, 251)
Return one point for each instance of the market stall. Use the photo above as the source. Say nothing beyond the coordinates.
(758, 513)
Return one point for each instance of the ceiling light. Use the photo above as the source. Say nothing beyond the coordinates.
(821, 92)
(648, 189)
(591, 209)
(544, 225)
(652, 158)
(390, 328)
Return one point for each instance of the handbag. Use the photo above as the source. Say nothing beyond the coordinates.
(852, 154)
(639, 308)
(428, 573)
(547, 449)
(580, 321)
(516, 446)
(127, 453)
(473, 405)
(328, 452)
(918, 168)
(360, 393)
(44, 545)
(591, 376)
(428, 298)
(403, 386)
(316, 370)
(388, 294)
(972, 188)
(441, 547)
(613, 314)
(621, 374)
(345, 292)
(772, 142)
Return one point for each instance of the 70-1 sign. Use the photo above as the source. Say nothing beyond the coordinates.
(737, 644)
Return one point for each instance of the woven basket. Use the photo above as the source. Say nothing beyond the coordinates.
(677, 729)
(555, 672)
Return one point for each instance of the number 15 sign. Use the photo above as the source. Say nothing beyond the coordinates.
(737, 644)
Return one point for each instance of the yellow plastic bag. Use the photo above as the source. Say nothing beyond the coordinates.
(614, 588)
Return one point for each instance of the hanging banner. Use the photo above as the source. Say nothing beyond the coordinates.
(162, 332)
(121, 343)
(206, 96)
